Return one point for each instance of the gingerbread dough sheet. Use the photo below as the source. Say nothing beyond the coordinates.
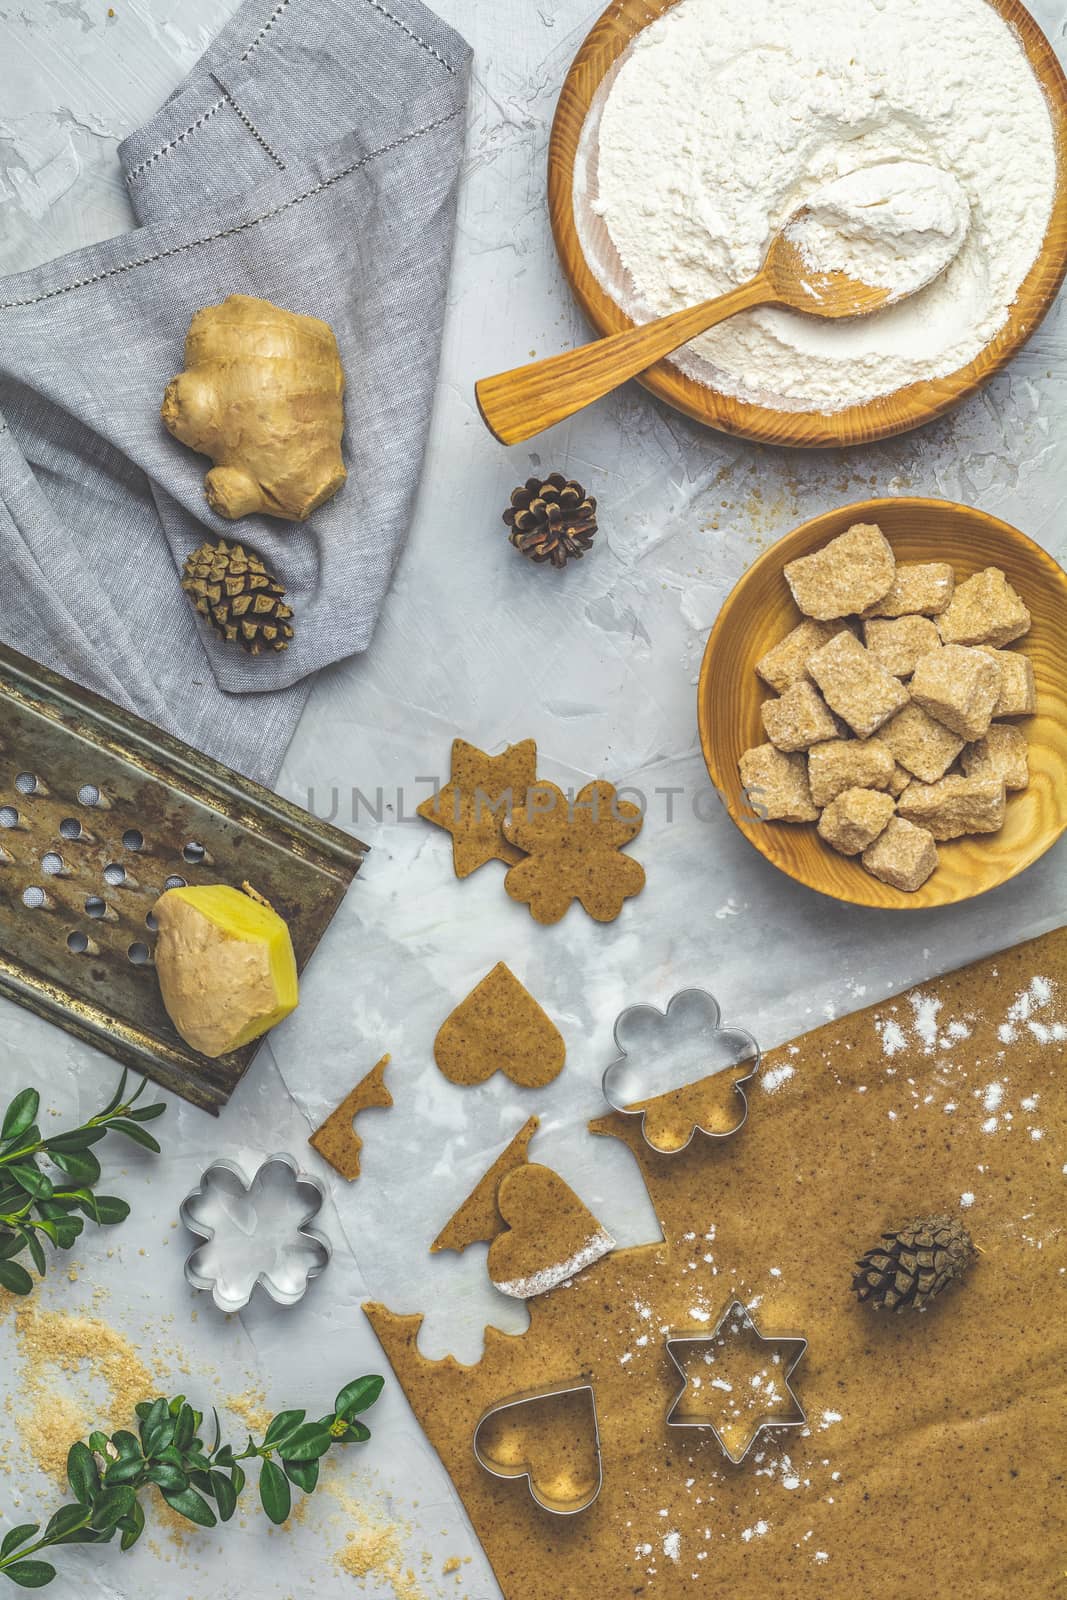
(947, 1424)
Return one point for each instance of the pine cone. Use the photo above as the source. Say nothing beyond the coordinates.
(914, 1263)
(242, 600)
(551, 519)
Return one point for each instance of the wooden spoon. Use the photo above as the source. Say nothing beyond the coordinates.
(515, 405)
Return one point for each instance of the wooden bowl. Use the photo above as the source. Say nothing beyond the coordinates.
(760, 611)
(894, 413)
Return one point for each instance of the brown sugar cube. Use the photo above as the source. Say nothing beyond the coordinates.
(922, 746)
(855, 686)
(958, 686)
(849, 764)
(1001, 754)
(787, 663)
(899, 781)
(955, 806)
(848, 574)
(776, 785)
(984, 610)
(799, 718)
(855, 818)
(1018, 691)
(898, 643)
(919, 588)
(902, 855)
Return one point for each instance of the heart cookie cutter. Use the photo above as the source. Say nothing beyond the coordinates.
(735, 1046)
(561, 1504)
(679, 1345)
(254, 1230)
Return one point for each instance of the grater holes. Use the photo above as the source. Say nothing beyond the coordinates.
(91, 796)
(176, 883)
(138, 954)
(95, 907)
(70, 828)
(34, 898)
(133, 839)
(194, 854)
(9, 817)
(151, 922)
(53, 864)
(29, 783)
(78, 943)
(114, 874)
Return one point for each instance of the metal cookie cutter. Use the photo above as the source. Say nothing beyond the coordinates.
(643, 1032)
(255, 1231)
(683, 1415)
(564, 1495)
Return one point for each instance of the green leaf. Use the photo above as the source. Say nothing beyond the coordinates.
(356, 1433)
(283, 1424)
(274, 1491)
(111, 1506)
(225, 1495)
(218, 1430)
(142, 1408)
(305, 1474)
(193, 1506)
(116, 1098)
(148, 1113)
(20, 1114)
(109, 1210)
(34, 1246)
(16, 1536)
(184, 1428)
(64, 1521)
(134, 1131)
(30, 1574)
(224, 1456)
(81, 1165)
(15, 1278)
(82, 1473)
(10, 1245)
(132, 1526)
(155, 1416)
(98, 1441)
(67, 1230)
(358, 1395)
(237, 1477)
(307, 1442)
(31, 1179)
(168, 1477)
(127, 1444)
(76, 1139)
(126, 1470)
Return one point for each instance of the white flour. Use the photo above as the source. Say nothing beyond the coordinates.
(727, 116)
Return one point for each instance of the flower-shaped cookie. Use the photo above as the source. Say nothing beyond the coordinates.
(255, 1232)
(573, 852)
(680, 1069)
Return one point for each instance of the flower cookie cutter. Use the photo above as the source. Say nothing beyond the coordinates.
(254, 1230)
(563, 1496)
(681, 1345)
(692, 1017)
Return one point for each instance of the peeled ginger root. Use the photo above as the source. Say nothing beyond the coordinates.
(225, 965)
(262, 394)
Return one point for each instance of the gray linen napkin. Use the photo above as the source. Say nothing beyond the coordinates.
(312, 158)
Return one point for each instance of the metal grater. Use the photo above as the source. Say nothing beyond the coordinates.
(99, 813)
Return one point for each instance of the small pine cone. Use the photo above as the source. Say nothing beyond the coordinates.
(243, 602)
(551, 519)
(914, 1263)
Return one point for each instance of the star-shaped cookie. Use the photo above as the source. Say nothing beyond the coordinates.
(478, 799)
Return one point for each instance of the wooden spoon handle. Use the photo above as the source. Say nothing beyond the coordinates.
(515, 405)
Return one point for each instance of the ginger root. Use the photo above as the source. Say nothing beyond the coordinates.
(225, 966)
(262, 394)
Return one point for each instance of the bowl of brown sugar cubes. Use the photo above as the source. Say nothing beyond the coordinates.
(883, 703)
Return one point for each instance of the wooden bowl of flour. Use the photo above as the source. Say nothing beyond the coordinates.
(760, 611)
(571, 180)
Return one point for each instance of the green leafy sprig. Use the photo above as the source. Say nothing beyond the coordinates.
(204, 1485)
(34, 1206)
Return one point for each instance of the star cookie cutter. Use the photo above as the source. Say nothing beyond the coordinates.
(679, 1344)
(560, 1504)
(694, 1009)
(254, 1230)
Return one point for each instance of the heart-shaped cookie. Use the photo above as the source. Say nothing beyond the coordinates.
(499, 1028)
(550, 1234)
(552, 1440)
